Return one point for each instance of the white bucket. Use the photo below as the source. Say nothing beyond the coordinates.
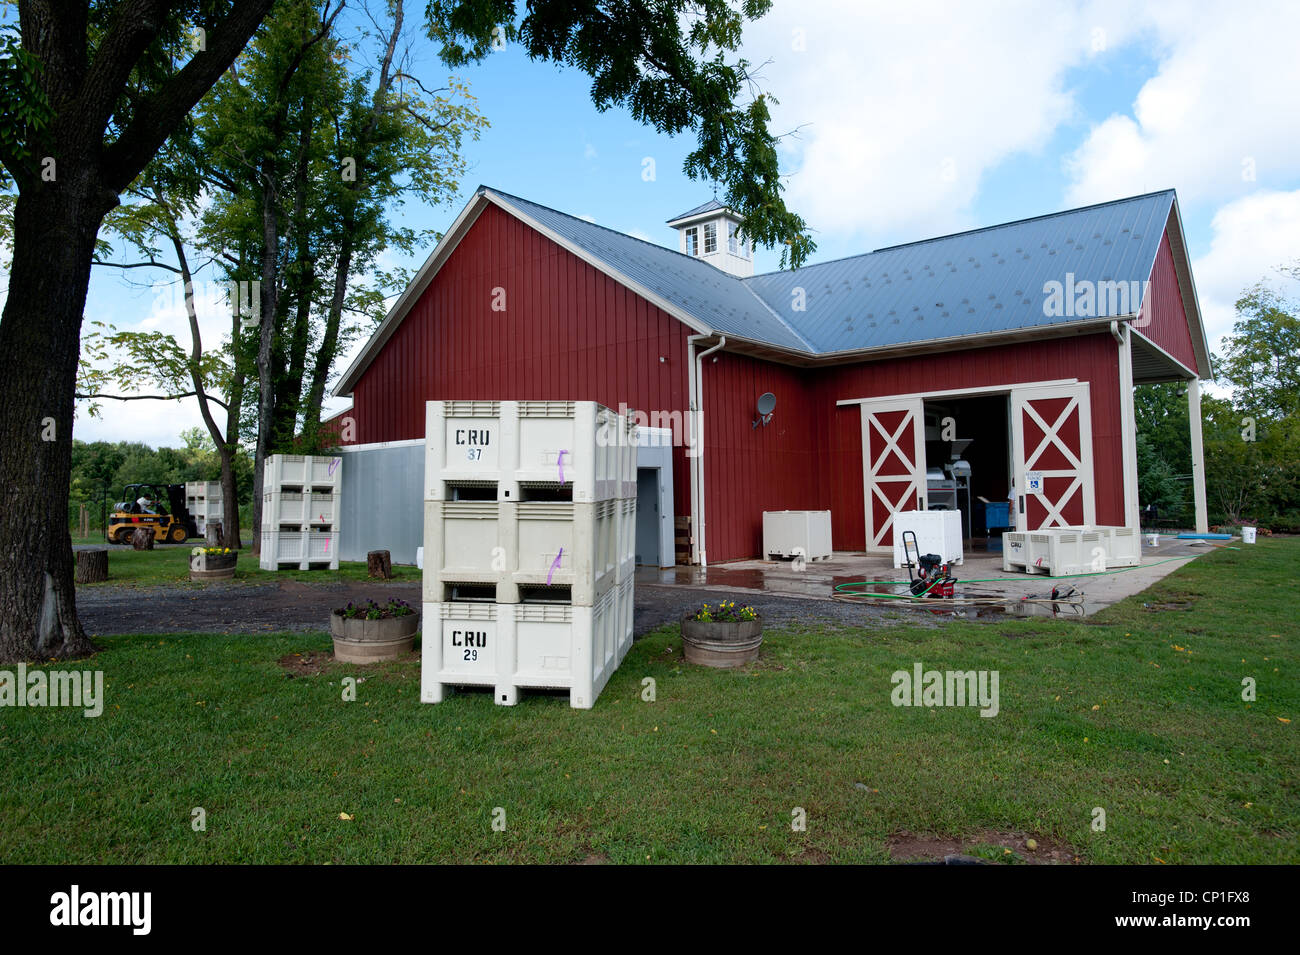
(1248, 535)
(1153, 540)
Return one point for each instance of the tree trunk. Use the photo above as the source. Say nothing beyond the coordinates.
(329, 343)
(54, 229)
(142, 538)
(269, 303)
(301, 280)
(229, 486)
(92, 566)
(379, 564)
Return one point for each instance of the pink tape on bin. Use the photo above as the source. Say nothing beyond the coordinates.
(559, 460)
(554, 566)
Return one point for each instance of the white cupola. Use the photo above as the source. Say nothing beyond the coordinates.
(711, 232)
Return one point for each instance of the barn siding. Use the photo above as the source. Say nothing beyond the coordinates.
(750, 469)
(1168, 326)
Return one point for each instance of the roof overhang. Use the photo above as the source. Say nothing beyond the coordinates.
(1152, 364)
(702, 217)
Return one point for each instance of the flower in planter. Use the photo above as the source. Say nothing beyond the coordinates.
(217, 551)
(371, 610)
(725, 612)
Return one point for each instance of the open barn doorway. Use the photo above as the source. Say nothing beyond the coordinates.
(969, 468)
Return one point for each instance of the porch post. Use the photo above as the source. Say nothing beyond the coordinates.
(1128, 428)
(1198, 455)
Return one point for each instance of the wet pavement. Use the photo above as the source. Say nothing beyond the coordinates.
(983, 588)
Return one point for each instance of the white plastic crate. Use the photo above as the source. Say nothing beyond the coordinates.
(1123, 546)
(282, 547)
(283, 508)
(301, 472)
(568, 445)
(521, 646)
(627, 538)
(804, 534)
(512, 545)
(203, 499)
(1056, 551)
(937, 532)
(323, 547)
(627, 459)
(320, 508)
(626, 615)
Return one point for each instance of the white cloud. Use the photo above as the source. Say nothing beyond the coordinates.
(1216, 121)
(1252, 236)
(907, 106)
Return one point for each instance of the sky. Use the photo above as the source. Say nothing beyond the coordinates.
(907, 120)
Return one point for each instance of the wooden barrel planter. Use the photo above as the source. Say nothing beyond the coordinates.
(213, 566)
(713, 643)
(358, 640)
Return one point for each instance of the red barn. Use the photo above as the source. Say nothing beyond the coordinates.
(1006, 355)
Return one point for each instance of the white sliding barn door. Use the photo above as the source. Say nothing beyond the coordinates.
(1051, 429)
(893, 465)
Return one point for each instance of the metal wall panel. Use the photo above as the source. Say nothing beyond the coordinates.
(382, 506)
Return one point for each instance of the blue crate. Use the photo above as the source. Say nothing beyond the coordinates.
(997, 514)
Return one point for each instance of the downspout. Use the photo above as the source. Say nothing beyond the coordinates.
(696, 386)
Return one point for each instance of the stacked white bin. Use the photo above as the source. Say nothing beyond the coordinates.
(529, 547)
(300, 512)
(203, 501)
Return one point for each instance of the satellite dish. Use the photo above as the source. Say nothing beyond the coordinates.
(766, 405)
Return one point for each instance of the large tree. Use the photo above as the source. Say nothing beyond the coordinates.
(88, 94)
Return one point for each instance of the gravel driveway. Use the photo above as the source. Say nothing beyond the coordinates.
(291, 605)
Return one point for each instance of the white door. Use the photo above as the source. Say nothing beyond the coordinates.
(893, 465)
(1051, 433)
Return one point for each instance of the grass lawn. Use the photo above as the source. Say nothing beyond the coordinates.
(170, 565)
(1138, 711)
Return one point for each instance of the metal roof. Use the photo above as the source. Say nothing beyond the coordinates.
(711, 206)
(979, 282)
(719, 300)
(988, 280)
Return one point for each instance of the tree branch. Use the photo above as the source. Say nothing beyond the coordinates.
(175, 397)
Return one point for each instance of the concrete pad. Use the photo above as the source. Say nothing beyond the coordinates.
(982, 585)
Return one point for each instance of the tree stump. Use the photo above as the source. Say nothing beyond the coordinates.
(92, 566)
(379, 564)
(212, 534)
(142, 538)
